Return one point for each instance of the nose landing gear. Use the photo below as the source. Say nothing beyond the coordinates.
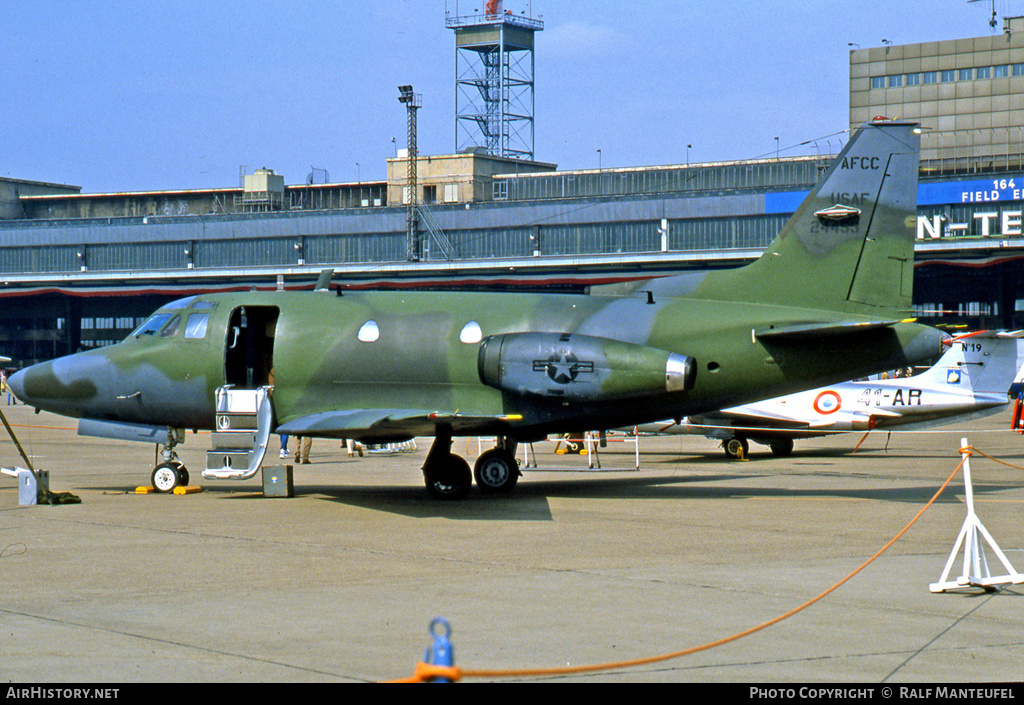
(167, 476)
(171, 472)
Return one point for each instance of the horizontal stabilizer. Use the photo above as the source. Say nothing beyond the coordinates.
(805, 331)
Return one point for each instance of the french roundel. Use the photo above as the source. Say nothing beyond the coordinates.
(827, 402)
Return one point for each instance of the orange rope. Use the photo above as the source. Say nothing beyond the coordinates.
(997, 460)
(425, 672)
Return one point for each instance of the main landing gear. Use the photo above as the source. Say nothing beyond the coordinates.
(447, 475)
(738, 447)
(171, 472)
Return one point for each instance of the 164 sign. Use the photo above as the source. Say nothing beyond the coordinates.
(994, 223)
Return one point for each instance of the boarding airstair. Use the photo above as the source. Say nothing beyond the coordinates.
(243, 421)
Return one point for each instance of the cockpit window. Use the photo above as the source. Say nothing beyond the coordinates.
(151, 326)
(171, 329)
(181, 303)
(196, 325)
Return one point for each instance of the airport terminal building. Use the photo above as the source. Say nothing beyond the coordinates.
(81, 270)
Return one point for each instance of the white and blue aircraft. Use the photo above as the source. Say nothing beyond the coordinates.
(971, 379)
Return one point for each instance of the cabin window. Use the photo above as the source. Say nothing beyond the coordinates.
(471, 333)
(369, 332)
(196, 326)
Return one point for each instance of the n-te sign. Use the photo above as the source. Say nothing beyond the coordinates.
(1008, 223)
(1001, 223)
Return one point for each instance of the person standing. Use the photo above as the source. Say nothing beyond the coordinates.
(302, 446)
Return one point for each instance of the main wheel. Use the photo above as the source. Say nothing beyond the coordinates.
(448, 479)
(496, 471)
(736, 447)
(167, 476)
(781, 447)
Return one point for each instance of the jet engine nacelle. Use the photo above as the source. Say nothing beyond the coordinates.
(580, 367)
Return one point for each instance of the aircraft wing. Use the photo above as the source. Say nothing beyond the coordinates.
(743, 415)
(370, 424)
(751, 418)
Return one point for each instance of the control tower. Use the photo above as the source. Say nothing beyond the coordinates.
(494, 79)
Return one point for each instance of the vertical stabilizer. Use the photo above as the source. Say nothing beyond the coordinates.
(850, 245)
(985, 362)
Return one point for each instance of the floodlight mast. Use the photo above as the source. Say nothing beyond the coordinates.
(413, 246)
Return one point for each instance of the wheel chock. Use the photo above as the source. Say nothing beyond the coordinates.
(189, 489)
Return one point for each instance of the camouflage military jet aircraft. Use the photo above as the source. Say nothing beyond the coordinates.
(825, 303)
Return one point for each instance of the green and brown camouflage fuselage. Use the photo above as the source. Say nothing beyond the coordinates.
(826, 302)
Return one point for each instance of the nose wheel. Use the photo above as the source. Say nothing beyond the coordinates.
(167, 476)
(171, 472)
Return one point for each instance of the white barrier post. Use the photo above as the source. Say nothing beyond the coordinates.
(590, 444)
(975, 570)
(527, 452)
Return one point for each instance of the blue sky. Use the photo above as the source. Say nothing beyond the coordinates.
(138, 95)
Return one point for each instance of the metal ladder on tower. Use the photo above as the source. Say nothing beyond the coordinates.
(243, 421)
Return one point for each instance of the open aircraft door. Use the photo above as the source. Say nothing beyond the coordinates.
(249, 347)
(244, 414)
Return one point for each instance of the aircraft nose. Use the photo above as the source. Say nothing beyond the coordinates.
(16, 382)
(56, 385)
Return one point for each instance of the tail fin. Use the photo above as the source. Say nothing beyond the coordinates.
(850, 245)
(984, 362)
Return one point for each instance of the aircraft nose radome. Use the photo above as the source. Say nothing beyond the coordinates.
(35, 383)
(17, 384)
(54, 384)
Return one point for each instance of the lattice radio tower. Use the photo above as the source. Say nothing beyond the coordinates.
(494, 70)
